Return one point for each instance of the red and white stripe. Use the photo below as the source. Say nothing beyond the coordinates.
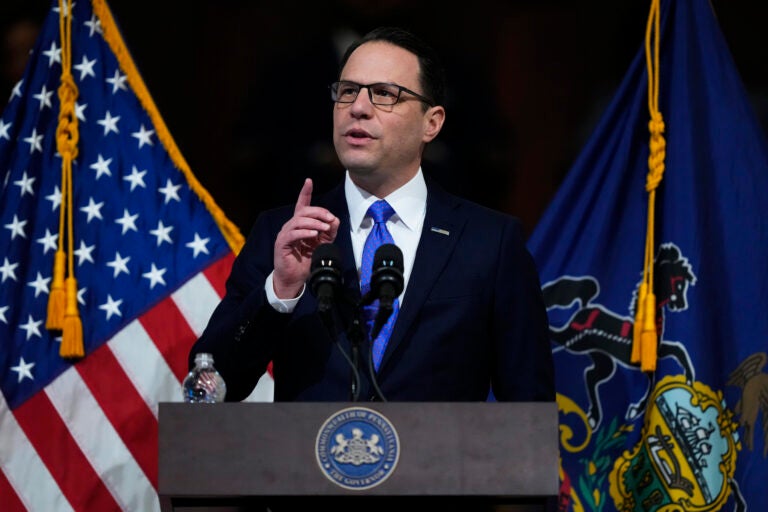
(89, 440)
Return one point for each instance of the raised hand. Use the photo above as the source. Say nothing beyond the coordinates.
(309, 227)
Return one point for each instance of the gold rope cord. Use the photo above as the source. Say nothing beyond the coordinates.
(645, 336)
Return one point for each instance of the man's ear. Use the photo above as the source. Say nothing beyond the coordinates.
(433, 122)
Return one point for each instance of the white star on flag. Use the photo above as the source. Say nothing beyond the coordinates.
(17, 89)
(83, 253)
(8, 270)
(17, 227)
(94, 26)
(35, 142)
(136, 178)
(109, 123)
(155, 276)
(119, 264)
(162, 233)
(170, 191)
(53, 54)
(23, 369)
(48, 241)
(144, 136)
(112, 307)
(54, 198)
(127, 221)
(118, 82)
(25, 184)
(4, 130)
(101, 166)
(80, 111)
(93, 209)
(32, 327)
(198, 245)
(44, 96)
(85, 68)
(40, 284)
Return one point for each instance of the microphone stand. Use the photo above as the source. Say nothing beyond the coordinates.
(378, 323)
(356, 336)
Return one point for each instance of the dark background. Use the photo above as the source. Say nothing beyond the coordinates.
(528, 81)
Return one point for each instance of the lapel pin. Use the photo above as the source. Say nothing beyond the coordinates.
(441, 231)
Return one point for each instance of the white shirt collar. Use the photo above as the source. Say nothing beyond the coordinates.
(409, 202)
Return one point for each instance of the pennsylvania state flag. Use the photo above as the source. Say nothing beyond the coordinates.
(691, 435)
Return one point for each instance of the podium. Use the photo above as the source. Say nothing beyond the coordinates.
(269, 456)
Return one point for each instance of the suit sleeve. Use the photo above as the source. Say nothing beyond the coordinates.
(243, 328)
(523, 369)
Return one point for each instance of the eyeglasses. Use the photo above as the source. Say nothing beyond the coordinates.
(379, 93)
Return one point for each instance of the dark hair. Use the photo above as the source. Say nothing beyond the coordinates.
(432, 74)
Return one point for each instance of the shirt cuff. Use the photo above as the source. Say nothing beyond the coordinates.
(280, 305)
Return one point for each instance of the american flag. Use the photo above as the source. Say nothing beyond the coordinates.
(151, 254)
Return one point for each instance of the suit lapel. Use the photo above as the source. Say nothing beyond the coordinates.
(442, 227)
(336, 202)
(441, 231)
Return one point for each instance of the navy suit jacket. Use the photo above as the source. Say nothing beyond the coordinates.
(472, 318)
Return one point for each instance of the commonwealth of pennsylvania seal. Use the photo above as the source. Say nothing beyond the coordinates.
(357, 448)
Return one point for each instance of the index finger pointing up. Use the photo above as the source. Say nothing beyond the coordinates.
(305, 196)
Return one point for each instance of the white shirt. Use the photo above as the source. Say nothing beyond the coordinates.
(410, 205)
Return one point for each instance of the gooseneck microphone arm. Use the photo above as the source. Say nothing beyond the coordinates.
(325, 282)
(356, 336)
(387, 283)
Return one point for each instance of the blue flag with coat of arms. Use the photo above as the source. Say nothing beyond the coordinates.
(693, 434)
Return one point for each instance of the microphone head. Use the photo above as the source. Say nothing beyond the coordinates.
(325, 268)
(325, 255)
(388, 255)
(388, 268)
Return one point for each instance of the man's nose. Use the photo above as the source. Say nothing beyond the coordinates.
(362, 103)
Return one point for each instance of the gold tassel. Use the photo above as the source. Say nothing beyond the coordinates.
(56, 302)
(648, 338)
(637, 327)
(72, 335)
(645, 338)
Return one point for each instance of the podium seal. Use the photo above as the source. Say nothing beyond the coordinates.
(357, 448)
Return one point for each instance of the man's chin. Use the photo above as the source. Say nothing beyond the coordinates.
(359, 169)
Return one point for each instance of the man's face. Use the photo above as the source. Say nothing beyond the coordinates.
(381, 143)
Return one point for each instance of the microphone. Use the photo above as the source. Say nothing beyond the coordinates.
(325, 275)
(387, 280)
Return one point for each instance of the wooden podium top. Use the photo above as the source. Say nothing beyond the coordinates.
(497, 449)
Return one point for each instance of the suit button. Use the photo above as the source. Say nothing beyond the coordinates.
(241, 330)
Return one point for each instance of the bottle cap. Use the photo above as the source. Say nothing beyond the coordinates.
(204, 357)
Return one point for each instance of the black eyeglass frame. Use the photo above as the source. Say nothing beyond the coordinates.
(400, 90)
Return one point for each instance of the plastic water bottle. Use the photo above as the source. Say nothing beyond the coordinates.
(204, 384)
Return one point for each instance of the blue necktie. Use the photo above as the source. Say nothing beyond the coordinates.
(380, 211)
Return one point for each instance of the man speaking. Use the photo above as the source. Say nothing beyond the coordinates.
(468, 320)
